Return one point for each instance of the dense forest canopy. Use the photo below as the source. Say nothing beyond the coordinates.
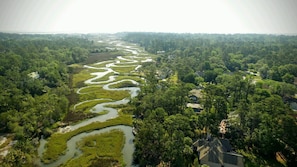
(250, 80)
(247, 79)
(34, 77)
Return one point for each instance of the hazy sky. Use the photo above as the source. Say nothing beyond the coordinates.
(194, 16)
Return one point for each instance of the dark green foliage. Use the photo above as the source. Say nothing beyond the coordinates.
(34, 87)
(249, 77)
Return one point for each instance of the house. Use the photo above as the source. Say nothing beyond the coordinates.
(193, 98)
(195, 95)
(217, 153)
(34, 75)
(196, 107)
(160, 51)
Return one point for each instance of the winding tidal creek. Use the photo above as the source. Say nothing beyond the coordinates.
(128, 149)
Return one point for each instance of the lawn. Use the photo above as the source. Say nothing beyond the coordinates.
(57, 143)
(106, 145)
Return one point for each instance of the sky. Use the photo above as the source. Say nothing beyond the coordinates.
(180, 16)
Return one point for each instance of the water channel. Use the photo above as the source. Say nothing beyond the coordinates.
(72, 150)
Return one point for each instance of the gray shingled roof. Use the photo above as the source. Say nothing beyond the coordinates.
(217, 150)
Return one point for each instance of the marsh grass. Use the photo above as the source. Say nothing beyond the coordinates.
(124, 69)
(57, 143)
(80, 116)
(127, 63)
(102, 64)
(83, 75)
(133, 77)
(105, 145)
(124, 108)
(104, 78)
(87, 106)
(123, 84)
(99, 57)
(97, 92)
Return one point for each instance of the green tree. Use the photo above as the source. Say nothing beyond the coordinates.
(149, 143)
(288, 78)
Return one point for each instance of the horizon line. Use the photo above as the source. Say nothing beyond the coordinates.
(210, 33)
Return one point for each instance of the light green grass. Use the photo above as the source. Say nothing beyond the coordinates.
(135, 78)
(124, 108)
(108, 144)
(127, 63)
(174, 78)
(124, 69)
(102, 64)
(104, 78)
(57, 143)
(97, 92)
(123, 84)
(83, 75)
(87, 106)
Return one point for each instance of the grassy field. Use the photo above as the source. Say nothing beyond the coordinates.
(123, 85)
(124, 108)
(57, 143)
(87, 106)
(98, 57)
(135, 78)
(101, 64)
(104, 78)
(106, 145)
(83, 75)
(124, 69)
(129, 63)
(76, 117)
(97, 92)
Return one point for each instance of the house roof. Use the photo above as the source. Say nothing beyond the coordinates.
(196, 92)
(217, 151)
(34, 75)
(225, 145)
(194, 105)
